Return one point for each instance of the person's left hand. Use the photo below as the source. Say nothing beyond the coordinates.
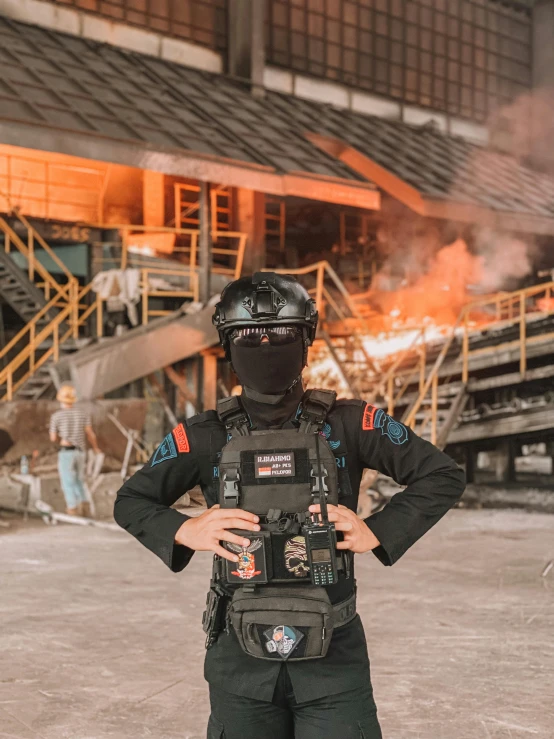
(358, 537)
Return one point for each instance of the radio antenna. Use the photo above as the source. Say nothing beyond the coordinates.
(321, 486)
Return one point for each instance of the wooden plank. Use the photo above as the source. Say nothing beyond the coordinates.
(515, 424)
(209, 366)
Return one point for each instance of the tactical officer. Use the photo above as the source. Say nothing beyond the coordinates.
(280, 470)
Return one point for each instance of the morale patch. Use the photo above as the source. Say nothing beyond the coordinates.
(376, 418)
(249, 566)
(165, 451)
(326, 432)
(181, 438)
(282, 640)
(296, 558)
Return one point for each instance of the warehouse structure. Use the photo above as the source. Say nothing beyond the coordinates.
(151, 152)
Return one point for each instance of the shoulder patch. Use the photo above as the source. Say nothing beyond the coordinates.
(181, 438)
(368, 420)
(165, 451)
(376, 418)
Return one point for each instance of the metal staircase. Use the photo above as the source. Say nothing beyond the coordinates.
(65, 317)
(41, 301)
(431, 387)
(428, 384)
(341, 328)
(25, 298)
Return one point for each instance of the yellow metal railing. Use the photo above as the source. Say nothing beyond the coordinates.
(38, 274)
(345, 309)
(187, 206)
(504, 308)
(72, 313)
(227, 246)
(44, 342)
(325, 278)
(148, 288)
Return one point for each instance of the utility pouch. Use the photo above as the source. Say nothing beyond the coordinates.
(213, 618)
(284, 623)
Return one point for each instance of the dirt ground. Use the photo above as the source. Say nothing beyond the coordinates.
(98, 640)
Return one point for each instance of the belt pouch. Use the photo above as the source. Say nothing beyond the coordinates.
(294, 623)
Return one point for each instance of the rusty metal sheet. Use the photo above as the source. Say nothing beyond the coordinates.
(109, 365)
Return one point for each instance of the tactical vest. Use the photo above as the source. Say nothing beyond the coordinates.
(274, 599)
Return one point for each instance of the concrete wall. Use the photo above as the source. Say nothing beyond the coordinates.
(27, 422)
(78, 23)
(89, 26)
(341, 96)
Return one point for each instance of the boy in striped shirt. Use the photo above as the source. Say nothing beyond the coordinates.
(70, 427)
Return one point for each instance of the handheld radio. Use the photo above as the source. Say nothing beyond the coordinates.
(320, 535)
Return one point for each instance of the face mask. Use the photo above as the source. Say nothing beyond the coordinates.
(267, 369)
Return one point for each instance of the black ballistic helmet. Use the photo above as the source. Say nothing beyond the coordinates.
(269, 299)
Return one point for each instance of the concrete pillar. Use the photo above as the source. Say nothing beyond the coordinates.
(153, 198)
(246, 42)
(542, 133)
(471, 463)
(505, 470)
(250, 219)
(205, 261)
(550, 453)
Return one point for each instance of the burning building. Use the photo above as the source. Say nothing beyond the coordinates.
(393, 155)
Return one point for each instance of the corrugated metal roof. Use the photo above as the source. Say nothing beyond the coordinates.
(437, 165)
(49, 78)
(57, 80)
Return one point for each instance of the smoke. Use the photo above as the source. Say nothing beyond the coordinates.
(422, 280)
(505, 260)
(524, 128)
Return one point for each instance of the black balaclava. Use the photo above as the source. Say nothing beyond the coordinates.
(270, 377)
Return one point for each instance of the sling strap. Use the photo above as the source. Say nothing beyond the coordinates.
(316, 404)
(233, 416)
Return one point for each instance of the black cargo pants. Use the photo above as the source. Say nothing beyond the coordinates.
(349, 715)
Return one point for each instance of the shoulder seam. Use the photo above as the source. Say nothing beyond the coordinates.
(350, 401)
(205, 417)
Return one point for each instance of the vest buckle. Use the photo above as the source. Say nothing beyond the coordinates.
(319, 484)
(231, 490)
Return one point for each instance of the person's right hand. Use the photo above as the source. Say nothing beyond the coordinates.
(205, 532)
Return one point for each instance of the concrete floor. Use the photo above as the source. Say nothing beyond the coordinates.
(98, 639)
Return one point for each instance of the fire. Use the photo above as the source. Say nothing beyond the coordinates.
(386, 344)
(422, 309)
(436, 296)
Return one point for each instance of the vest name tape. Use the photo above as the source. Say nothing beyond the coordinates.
(278, 464)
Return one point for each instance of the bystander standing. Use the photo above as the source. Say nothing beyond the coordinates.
(70, 427)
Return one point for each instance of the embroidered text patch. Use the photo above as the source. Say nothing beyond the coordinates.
(181, 438)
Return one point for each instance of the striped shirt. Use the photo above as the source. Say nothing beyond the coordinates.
(69, 424)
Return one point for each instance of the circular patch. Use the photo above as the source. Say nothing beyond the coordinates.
(396, 432)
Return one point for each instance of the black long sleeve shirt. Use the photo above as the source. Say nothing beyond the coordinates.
(361, 436)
